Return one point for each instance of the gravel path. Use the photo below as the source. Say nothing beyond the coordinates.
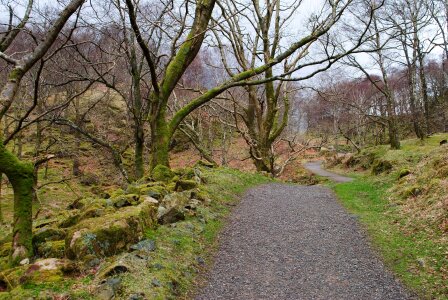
(296, 242)
(316, 168)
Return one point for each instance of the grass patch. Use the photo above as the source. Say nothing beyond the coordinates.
(418, 260)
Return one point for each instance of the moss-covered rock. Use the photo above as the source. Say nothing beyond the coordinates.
(125, 200)
(156, 191)
(54, 249)
(403, 173)
(162, 173)
(126, 262)
(201, 195)
(72, 219)
(92, 212)
(12, 277)
(112, 233)
(4, 263)
(44, 234)
(87, 202)
(185, 185)
(172, 207)
(49, 270)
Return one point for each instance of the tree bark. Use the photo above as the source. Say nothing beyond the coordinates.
(20, 174)
(160, 140)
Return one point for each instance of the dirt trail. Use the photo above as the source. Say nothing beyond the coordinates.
(316, 168)
(296, 242)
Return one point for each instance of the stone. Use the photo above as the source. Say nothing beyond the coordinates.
(125, 200)
(71, 220)
(193, 204)
(149, 199)
(126, 262)
(145, 245)
(108, 289)
(155, 282)
(178, 200)
(25, 261)
(91, 261)
(171, 215)
(403, 173)
(51, 249)
(50, 270)
(421, 262)
(200, 260)
(185, 185)
(48, 234)
(172, 207)
(154, 191)
(137, 296)
(111, 234)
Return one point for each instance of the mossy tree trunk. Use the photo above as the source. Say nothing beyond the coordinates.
(20, 174)
(160, 140)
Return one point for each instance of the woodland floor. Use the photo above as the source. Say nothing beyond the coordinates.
(297, 242)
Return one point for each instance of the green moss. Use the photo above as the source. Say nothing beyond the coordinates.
(110, 234)
(381, 166)
(185, 185)
(51, 249)
(155, 191)
(71, 220)
(162, 173)
(403, 173)
(21, 176)
(5, 249)
(15, 74)
(48, 234)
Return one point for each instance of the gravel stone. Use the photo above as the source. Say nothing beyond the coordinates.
(296, 242)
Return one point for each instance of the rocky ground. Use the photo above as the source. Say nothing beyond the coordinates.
(96, 239)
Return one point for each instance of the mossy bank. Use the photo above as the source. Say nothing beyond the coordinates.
(148, 241)
(400, 196)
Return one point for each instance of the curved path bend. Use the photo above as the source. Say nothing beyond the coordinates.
(316, 168)
(296, 242)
